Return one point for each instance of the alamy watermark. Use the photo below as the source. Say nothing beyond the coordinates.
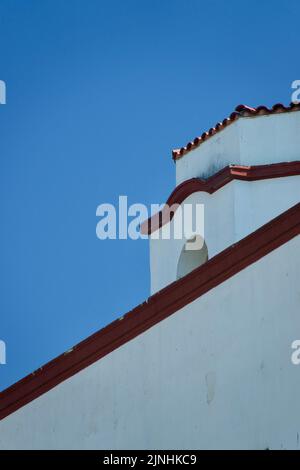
(295, 98)
(295, 357)
(2, 352)
(2, 92)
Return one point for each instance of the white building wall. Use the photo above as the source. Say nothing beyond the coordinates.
(216, 374)
(255, 140)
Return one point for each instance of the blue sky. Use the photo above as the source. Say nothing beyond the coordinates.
(98, 93)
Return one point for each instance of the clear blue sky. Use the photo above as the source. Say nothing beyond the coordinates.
(98, 93)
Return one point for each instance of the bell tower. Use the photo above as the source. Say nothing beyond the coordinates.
(243, 172)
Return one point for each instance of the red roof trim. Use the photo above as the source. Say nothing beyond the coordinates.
(215, 182)
(158, 307)
(240, 111)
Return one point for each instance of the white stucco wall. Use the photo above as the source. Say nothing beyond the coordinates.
(230, 214)
(216, 374)
(256, 140)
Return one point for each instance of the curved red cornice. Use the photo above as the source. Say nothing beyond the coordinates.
(215, 182)
(158, 307)
(240, 111)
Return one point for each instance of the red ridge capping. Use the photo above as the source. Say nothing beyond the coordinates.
(158, 307)
(240, 111)
(215, 182)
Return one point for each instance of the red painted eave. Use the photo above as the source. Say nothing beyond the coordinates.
(215, 182)
(157, 308)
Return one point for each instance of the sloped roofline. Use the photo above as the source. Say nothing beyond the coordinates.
(158, 307)
(240, 111)
(215, 182)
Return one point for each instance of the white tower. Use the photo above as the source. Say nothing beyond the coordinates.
(245, 171)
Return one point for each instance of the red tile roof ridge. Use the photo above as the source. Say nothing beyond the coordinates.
(240, 111)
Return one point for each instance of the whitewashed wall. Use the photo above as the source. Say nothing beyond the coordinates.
(256, 140)
(231, 213)
(216, 374)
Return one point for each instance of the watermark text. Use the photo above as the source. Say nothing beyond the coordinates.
(2, 352)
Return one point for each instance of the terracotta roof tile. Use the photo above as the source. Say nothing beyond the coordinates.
(240, 111)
